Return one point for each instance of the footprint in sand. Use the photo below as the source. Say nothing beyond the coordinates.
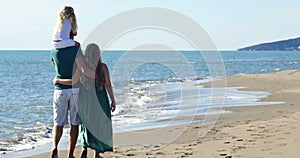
(181, 152)
(226, 156)
(188, 153)
(194, 144)
(276, 153)
(221, 150)
(130, 154)
(269, 136)
(238, 148)
(149, 154)
(160, 153)
(268, 142)
(293, 127)
(146, 147)
(258, 137)
(257, 134)
(247, 121)
(251, 140)
(251, 130)
(233, 137)
(283, 144)
(282, 125)
(268, 149)
(264, 131)
(128, 150)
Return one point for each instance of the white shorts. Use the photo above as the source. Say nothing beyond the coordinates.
(65, 101)
(63, 44)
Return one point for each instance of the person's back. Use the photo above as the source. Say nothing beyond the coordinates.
(64, 60)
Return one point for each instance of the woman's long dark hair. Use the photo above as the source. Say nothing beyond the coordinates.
(99, 74)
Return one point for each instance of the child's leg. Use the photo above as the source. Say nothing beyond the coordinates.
(64, 44)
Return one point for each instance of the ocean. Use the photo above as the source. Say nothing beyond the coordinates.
(149, 86)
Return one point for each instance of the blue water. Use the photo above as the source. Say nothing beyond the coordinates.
(26, 86)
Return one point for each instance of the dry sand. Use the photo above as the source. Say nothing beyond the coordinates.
(267, 131)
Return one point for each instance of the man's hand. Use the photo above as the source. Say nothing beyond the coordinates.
(54, 81)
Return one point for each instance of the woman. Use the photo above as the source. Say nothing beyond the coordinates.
(93, 103)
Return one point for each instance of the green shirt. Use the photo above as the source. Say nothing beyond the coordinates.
(65, 64)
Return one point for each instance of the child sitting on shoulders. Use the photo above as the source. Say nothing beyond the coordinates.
(65, 30)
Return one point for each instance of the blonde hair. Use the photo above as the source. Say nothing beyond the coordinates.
(68, 13)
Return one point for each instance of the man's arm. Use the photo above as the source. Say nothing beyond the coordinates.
(69, 82)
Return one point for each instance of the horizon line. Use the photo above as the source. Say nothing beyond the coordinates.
(124, 50)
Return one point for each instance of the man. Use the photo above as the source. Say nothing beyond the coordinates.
(65, 97)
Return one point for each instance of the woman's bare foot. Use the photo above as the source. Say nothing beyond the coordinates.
(97, 155)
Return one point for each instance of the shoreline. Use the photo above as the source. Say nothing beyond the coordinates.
(263, 130)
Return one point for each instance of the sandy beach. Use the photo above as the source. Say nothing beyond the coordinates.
(267, 131)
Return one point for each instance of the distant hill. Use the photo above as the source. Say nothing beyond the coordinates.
(290, 44)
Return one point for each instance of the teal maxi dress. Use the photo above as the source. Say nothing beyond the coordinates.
(95, 116)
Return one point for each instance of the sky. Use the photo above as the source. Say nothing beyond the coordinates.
(231, 24)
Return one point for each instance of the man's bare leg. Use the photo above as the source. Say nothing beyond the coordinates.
(73, 139)
(57, 133)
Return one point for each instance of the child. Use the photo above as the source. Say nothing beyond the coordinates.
(65, 29)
